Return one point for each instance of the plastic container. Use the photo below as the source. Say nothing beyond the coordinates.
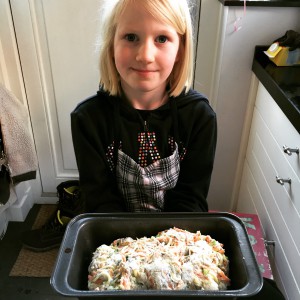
(88, 231)
(282, 56)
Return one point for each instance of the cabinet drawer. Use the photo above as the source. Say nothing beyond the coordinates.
(283, 265)
(278, 206)
(280, 127)
(266, 161)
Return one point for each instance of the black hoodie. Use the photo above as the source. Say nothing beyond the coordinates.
(103, 121)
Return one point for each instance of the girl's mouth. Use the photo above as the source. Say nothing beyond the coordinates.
(143, 71)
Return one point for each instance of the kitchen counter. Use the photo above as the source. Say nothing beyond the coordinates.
(266, 3)
(283, 84)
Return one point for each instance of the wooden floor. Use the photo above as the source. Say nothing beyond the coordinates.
(21, 288)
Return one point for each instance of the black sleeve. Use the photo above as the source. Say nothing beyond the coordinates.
(191, 190)
(97, 183)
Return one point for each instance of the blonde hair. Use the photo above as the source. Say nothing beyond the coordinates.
(174, 13)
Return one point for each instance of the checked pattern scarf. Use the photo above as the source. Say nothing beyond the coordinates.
(144, 188)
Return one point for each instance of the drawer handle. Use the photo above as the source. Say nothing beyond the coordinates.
(290, 151)
(283, 181)
(269, 243)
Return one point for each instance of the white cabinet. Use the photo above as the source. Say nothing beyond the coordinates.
(278, 205)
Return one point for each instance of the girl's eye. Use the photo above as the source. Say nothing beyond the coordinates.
(161, 39)
(131, 37)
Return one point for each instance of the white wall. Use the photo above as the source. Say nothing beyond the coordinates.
(223, 73)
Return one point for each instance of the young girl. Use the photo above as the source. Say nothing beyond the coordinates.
(146, 142)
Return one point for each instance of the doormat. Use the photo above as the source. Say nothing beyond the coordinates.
(36, 264)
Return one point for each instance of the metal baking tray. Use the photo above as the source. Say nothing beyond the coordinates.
(86, 232)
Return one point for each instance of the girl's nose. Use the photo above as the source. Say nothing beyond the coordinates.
(146, 52)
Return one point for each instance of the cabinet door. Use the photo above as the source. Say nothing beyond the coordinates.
(278, 205)
(57, 44)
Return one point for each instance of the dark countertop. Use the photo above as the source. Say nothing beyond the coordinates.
(266, 3)
(283, 84)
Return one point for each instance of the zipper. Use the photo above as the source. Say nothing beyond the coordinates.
(145, 126)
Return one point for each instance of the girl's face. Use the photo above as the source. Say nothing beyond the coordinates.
(145, 51)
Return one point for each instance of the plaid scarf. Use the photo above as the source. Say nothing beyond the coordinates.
(144, 188)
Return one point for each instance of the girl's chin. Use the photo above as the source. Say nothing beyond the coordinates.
(143, 86)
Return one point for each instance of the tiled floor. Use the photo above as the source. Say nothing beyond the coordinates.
(21, 288)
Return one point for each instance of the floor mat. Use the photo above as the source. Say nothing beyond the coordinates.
(36, 264)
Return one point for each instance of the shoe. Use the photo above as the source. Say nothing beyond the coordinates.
(50, 235)
(70, 202)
